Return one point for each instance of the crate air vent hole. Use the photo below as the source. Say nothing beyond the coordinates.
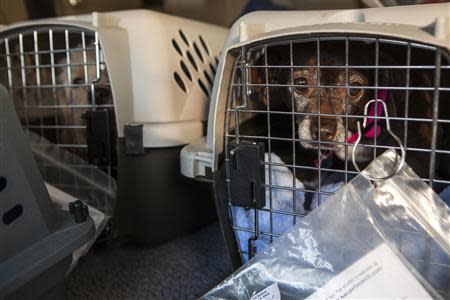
(185, 70)
(208, 78)
(199, 54)
(180, 82)
(204, 44)
(203, 87)
(213, 70)
(184, 37)
(3, 183)
(177, 47)
(12, 214)
(192, 60)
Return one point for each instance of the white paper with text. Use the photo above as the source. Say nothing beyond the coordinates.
(379, 274)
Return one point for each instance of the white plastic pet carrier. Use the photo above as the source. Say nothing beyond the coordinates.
(120, 92)
(290, 91)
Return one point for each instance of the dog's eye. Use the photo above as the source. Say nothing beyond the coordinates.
(301, 84)
(78, 80)
(355, 92)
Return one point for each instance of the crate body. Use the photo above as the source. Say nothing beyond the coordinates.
(273, 87)
(116, 91)
(37, 238)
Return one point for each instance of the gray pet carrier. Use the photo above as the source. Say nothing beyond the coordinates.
(290, 91)
(121, 92)
(37, 240)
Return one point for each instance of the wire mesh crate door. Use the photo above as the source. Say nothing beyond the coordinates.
(54, 75)
(303, 98)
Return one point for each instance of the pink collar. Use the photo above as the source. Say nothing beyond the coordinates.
(370, 133)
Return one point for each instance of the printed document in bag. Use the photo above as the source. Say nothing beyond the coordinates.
(378, 274)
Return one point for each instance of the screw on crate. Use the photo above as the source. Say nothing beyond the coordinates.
(79, 210)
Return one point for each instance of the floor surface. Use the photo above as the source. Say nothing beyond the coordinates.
(185, 268)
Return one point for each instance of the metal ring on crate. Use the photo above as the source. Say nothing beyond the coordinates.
(388, 127)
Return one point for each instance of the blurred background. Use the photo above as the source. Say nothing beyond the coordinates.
(223, 12)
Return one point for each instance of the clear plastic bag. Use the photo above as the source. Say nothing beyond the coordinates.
(73, 175)
(401, 217)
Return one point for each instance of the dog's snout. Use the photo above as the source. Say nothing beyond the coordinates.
(101, 93)
(327, 130)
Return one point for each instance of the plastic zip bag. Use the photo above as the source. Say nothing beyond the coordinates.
(401, 224)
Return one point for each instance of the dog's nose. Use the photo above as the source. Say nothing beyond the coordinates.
(327, 133)
(327, 130)
(101, 95)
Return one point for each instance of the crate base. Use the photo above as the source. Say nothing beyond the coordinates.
(47, 285)
(156, 203)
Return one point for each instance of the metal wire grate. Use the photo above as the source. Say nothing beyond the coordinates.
(302, 98)
(54, 75)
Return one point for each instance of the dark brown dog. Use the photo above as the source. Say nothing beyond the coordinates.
(309, 84)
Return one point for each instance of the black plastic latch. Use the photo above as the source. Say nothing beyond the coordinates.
(101, 137)
(79, 210)
(246, 171)
(134, 139)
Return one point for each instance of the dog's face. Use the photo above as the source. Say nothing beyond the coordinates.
(334, 93)
(331, 99)
(84, 87)
(299, 80)
(78, 78)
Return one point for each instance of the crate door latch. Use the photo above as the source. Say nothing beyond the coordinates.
(101, 136)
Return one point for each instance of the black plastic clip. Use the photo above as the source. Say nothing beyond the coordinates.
(79, 210)
(246, 170)
(134, 139)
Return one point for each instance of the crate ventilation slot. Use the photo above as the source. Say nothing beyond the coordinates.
(183, 37)
(199, 54)
(204, 44)
(192, 60)
(185, 70)
(180, 82)
(208, 78)
(203, 87)
(201, 66)
(176, 47)
(13, 214)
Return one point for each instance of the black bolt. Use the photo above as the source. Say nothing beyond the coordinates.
(79, 210)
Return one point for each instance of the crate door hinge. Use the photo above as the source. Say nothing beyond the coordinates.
(246, 174)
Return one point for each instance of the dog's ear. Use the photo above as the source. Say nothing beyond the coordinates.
(259, 91)
(268, 78)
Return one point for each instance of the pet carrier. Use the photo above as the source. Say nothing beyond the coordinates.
(37, 240)
(289, 95)
(120, 92)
